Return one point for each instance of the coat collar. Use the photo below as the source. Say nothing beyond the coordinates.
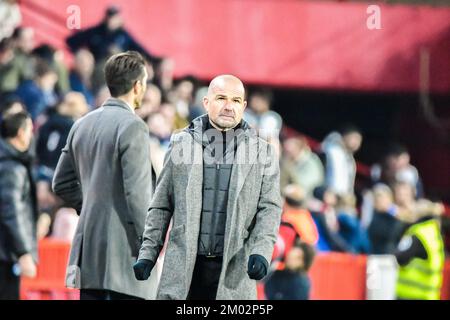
(114, 102)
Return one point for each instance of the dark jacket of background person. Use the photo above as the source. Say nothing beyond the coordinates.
(18, 205)
(100, 41)
(52, 138)
(287, 285)
(252, 221)
(385, 232)
(105, 174)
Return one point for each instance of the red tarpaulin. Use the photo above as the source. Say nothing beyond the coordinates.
(313, 44)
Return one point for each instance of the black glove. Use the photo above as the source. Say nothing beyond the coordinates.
(257, 267)
(142, 269)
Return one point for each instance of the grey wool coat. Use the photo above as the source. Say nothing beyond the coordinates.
(253, 214)
(104, 172)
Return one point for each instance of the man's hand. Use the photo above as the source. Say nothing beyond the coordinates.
(257, 267)
(27, 266)
(142, 269)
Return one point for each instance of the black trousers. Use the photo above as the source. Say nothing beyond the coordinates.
(93, 294)
(9, 283)
(205, 278)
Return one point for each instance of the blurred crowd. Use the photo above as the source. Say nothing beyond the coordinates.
(323, 210)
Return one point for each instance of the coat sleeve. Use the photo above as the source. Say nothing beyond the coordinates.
(134, 157)
(160, 212)
(268, 216)
(65, 181)
(11, 184)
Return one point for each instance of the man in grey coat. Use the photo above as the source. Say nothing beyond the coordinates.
(220, 185)
(104, 172)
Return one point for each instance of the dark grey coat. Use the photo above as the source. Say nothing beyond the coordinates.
(253, 215)
(105, 174)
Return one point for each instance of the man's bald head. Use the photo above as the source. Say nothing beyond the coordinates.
(225, 101)
(224, 80)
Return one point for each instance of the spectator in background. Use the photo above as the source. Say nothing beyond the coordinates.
(323, 210)
(350, 228)
(39, 94)
(165, 75)
(105, 39)
(55, 59)
(405, 200)
(421, 256)
(11, 106)
(268, 123)
(292, 283)
(10, 18)
(296, 223)
(51, 140)
(396, 167)
(340, 167)
(102, 95)
(385, 229)
(183, 96)
(24, 41)
(15, 66)
(160, 131)
(197, 106)
(81, 75)
(18, 205)
(151, 102)
(301, 166)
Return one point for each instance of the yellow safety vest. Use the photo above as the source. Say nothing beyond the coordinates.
(421, 279)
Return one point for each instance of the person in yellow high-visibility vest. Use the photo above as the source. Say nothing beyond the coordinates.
(421, 256)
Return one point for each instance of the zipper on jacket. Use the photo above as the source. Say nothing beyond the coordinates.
(212, 236)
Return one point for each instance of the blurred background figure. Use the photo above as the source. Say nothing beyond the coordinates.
(385, 229)
(10, 18)
(296, 223)
(51, 140)
(18, 205)
(81, 75)
(39, 94)
(396, 167)
(105, 39)
(301, 166)
(160, 132)
(151, 103)
(338, 152)
(260, 117)
(323, 210)
(421, 255)
(292, 283)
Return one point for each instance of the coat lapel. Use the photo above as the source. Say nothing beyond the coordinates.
(246, 157)
(193, 209)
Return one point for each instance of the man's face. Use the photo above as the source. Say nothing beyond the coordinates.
(114, 22)
(353, 141)
(295, 259)
(259, 104)
(25, 134)
(225, 104)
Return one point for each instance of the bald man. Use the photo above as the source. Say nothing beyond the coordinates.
(220, 186)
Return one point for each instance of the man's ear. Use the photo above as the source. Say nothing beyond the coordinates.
(205, 103)
(136, 87)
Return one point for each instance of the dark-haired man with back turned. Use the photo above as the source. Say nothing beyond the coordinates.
(104, 172)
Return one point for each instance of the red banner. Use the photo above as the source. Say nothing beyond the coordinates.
(313, 44)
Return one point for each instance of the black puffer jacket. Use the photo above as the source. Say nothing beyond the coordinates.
(18, 205)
